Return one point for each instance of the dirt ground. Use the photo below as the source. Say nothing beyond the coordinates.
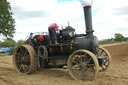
(117, 74)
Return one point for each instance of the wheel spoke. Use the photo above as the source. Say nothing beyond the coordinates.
(75, 61)
(88, 60)
(104, 54)
(107, 63)
(84, 58)
(80, 53)
(90, 65)
(87, 72)
(25, 53)
(90, 73)
(20, 68)
(25, 68)
(103, 67)
(76, 67)
(101, 52)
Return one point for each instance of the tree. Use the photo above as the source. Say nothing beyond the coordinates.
(119, 37)
(7, 22)
(20, 42)
(8, 43)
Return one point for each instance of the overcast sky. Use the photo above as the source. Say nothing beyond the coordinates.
(109, 16)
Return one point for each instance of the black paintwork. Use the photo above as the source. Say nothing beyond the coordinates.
(69, 41)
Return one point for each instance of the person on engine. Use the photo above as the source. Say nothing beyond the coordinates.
(52, 33)
(30, 36)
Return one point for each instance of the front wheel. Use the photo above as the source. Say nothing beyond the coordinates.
(83, 65)
(104, 52)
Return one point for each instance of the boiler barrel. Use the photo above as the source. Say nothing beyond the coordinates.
(88, 43)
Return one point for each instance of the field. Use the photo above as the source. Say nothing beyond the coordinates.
(117, 74)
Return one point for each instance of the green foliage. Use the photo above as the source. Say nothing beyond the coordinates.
(11, 44)
(8, 43)
(12, 50)
(119, 37)
(20, 42)
(4, 54)
(7, 22)
(107, 41)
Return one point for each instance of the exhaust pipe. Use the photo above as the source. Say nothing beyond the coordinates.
(88, 20)
(88, 16)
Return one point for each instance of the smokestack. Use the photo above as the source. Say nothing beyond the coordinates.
(88, 16)
(88, 20)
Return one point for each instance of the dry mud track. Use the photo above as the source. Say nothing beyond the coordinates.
(117, 74)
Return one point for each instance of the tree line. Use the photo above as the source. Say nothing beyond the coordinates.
(11, 43)
(117, 39)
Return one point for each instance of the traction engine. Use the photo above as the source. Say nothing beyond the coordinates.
(79, 52)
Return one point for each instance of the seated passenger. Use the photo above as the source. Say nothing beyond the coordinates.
(30, 36)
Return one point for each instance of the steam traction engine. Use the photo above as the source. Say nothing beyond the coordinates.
(80, 52)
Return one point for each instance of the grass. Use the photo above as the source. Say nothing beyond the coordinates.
(4, 54)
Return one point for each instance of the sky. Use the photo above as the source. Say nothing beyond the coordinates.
(108, 16)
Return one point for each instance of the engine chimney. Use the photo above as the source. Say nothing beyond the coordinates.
(88, 16)
(88, 20)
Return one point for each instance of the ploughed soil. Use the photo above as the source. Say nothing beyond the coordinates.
(117, 74)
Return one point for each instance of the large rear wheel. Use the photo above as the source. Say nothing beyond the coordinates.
(83, 65)
(25, 59)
